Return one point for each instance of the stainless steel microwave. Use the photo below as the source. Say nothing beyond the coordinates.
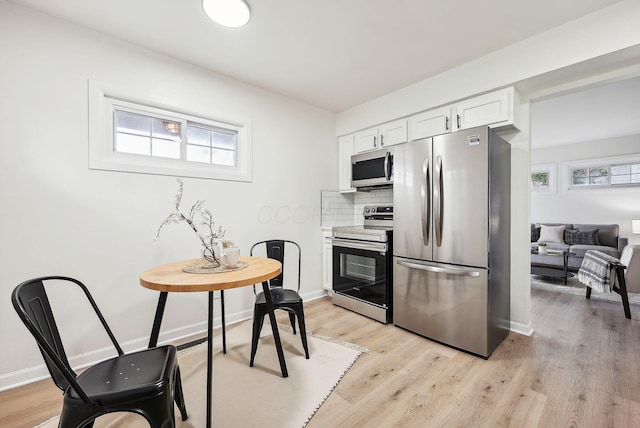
(372, 169)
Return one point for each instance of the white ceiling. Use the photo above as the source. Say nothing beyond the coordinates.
(600, 112)
(334, 54)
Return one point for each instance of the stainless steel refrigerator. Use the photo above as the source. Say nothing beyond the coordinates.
(451, 239)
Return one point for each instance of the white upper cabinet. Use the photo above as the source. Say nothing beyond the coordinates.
(381, 136)
(393, 132)
(430, 123)
(497, 109)
(345, 150)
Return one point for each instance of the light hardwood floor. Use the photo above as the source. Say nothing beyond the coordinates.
(579, 369)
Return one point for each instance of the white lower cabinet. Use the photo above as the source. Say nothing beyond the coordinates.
(327, 261)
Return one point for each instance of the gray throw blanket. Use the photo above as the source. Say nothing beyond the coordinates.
(596, 271)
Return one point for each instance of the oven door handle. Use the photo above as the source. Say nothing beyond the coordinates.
(369, 246)
(440, 269)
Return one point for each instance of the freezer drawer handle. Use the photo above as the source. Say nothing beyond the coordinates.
(438, 269)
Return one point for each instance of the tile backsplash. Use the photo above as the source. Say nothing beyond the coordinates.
(345, 209)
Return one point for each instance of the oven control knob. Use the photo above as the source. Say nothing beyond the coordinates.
(373, 209)
(366, 210)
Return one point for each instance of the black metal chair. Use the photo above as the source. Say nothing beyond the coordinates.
(282, 298)
(146, 382)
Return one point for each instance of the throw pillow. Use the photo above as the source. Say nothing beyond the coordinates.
(551, 234)
(581, 237)
(535, 233)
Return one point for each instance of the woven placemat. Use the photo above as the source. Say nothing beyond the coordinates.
(205, 267)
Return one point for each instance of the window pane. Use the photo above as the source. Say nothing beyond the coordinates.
(224, 140)
(620, 179)
(198, 154)
(598, 171)
(598, 180)
(582, 172)
(132, 123)
(620, 169)
(540, 179)
(635, 168)
(126, 143)
(635, 178)
(199, 136)
(223, 157)
(580, 181)
(165, 148)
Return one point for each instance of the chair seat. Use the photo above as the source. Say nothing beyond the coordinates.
(123, 378)
(279, 296)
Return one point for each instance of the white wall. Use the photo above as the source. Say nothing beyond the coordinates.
(600, 206)
(595, 35)
(59, 217)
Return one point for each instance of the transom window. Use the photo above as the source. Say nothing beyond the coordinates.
(606, 175)
(142, 134)
(151, 137)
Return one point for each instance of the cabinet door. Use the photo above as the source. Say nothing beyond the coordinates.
(485, 109)
(430, 123)
(393, 133)
(366, 140)
(345, 150)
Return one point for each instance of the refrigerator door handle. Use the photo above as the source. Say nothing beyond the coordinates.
(438, 200)
(425, 193)
(440, 269)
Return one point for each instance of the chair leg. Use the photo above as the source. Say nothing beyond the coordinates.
(303, 330)
(292, 319)
(179, 396)
(258, 321)
(224, 328)
(588, 292)
(623, 292)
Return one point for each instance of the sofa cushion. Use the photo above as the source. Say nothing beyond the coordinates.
(607, 233)
(551, 233)
(581, 237)
(580, 250)
(535, 233)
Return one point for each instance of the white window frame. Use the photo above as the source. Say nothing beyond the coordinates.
(567, 167)
(550, 169)
(102, 156)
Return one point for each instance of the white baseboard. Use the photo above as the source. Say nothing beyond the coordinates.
(524, 329)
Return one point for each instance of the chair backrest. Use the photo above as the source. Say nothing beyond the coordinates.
(631, 259)
(32, 304)
(275, 249)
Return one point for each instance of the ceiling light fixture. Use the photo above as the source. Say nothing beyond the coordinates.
(230, 13)
(172, 128)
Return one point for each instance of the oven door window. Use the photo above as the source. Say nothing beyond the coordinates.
(361, 274)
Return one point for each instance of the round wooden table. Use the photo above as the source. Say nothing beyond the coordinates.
(170, 278)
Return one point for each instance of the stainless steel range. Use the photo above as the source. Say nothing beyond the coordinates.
(362, 263)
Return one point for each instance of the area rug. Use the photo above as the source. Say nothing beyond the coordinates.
(579, 289)
(254, 396)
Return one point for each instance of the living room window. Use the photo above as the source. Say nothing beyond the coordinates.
(607, 175)
(543, 178)
(622, 171)
(126, 134)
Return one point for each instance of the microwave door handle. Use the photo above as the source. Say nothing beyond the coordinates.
(425, 193)
(387, 164)
(438, 199)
